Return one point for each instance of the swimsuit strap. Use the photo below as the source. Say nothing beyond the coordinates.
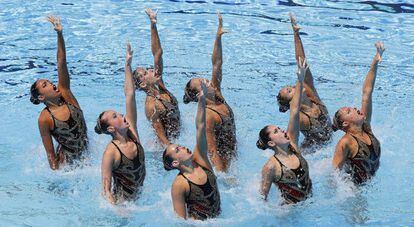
(281, 168)
(220, 115)
(120, 152)
(189, 181)
(53, 117)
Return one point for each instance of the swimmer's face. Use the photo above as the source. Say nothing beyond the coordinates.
(179, 154)
(277, 136)
(116, 121)
(287, 93)
(47, 90)
(145, 77)
(193, 88)
(351, 116)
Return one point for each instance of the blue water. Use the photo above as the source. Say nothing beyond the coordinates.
(258, 59)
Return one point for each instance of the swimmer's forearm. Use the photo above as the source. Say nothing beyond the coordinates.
(217, 56)
(53, 162)
(129, 87)
(63, 73)
(160, 131)
(156, 47)
(155, 41)
(107, 190)
(368, 89)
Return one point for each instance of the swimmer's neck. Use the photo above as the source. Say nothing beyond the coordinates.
(188, 167)
(121, 137)
(282, 150)
(355, 130)
(54, 103)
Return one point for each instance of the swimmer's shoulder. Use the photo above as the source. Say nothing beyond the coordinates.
(112, 152)
(180, 185)
(272, 167)
(347, 142)
(45, 119)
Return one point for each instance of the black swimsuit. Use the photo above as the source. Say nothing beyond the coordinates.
(295, 185)
(320, 128)
(70, 134)
(225, 134)
(170, 117)
(129, 175)
(203, 201)
(365, 163)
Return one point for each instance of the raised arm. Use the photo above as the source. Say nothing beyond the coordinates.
(63, 73)
(369, 83)
(300, 53)
(48, 142)
(217, 57)
(155, 43)
(294, 123)
(200, 151)
(129, 89)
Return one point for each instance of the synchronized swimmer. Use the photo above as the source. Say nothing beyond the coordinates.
(195, 190)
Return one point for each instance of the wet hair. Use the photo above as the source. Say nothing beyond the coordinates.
(34, 93)
(337, 122)
(101, 125)
(263, 139)
(284, 105)
(167, 160)
(190, 95)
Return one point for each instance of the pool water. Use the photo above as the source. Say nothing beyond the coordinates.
(258, 52)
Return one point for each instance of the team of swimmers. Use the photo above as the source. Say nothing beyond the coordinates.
(195, 192)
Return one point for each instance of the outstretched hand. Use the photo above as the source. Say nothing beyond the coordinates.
(129, 53)
(380, 50)
(295, 26)
(55, 22)
(302, 68)
(152, 16)
(220, 30)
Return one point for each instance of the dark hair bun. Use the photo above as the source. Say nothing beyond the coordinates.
(98, 129)
(34, 101)
(261, 145)
(283, 109)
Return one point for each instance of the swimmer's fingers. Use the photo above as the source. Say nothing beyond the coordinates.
(129, 53)
(380, 50)
(55, 21)
(220, 18)
(220, 29)
(293, 22)
(152, 16)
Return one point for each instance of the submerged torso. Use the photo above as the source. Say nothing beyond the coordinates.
(71, 134)
(295, 185)
(225, 131)
(203, 201)
(364, 164)
(320, 130)
(129, 175)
